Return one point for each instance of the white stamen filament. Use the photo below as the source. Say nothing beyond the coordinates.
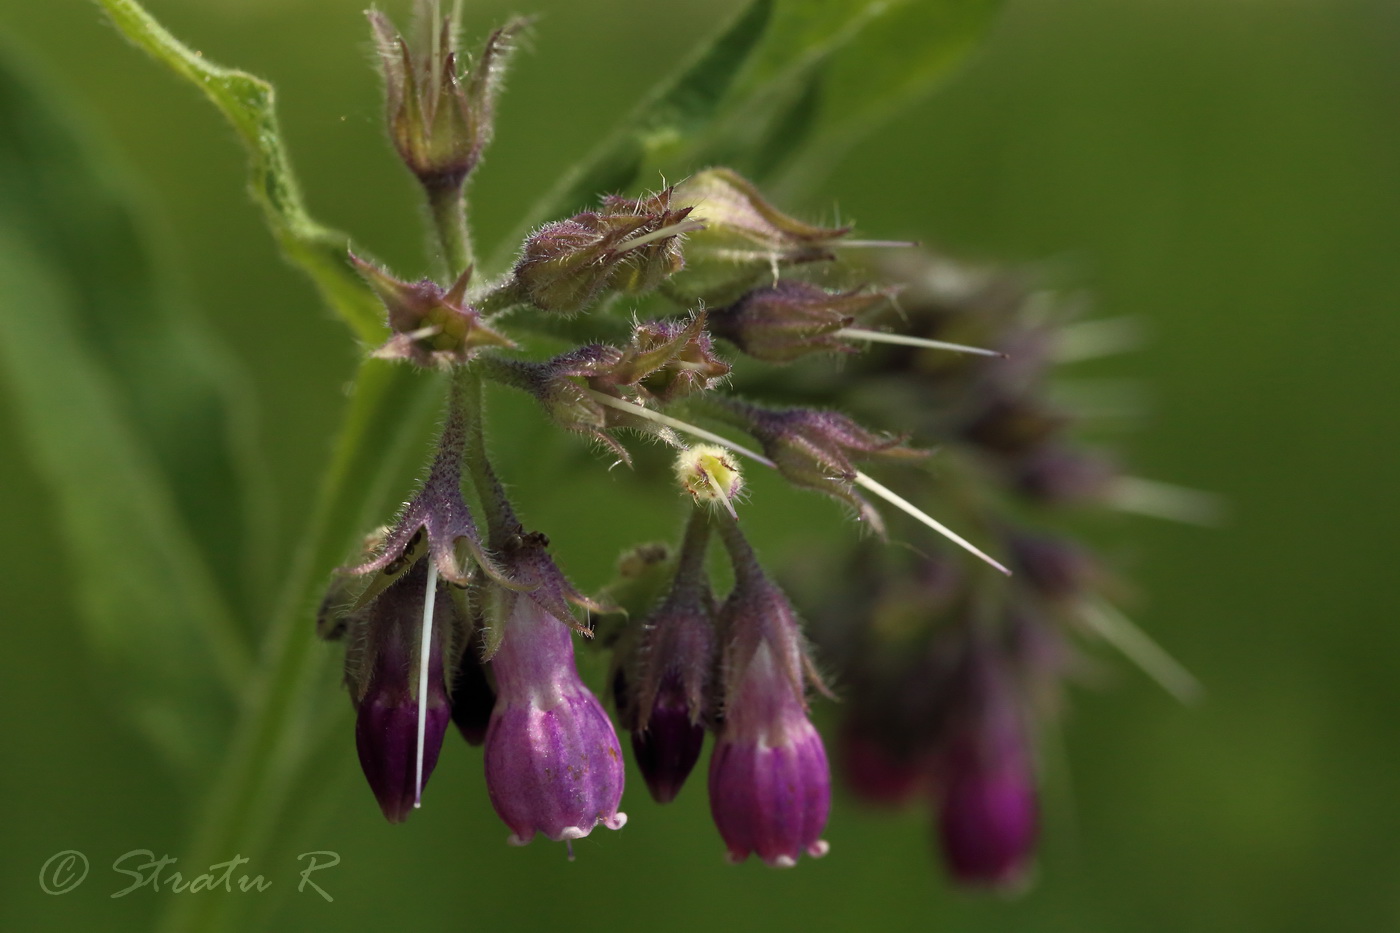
(1086, 340)
(861, 479)
(1164, 500)
(899, 502)
(1120, 632)
(424, 657)
(874, 244)
(879, 336)
(685, 226)
(694, 431)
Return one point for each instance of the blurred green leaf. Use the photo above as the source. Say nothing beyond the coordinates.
(132, 417)
(897, 58)
(249, 104)
(755, 94)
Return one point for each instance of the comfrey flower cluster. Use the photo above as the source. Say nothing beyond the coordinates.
(456, 613)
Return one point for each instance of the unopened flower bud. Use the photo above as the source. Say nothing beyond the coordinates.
(815, 449)
(791, 320)
(988, 816)
(876, 773)
(745, 238)
(440, 120)
(665, 699)
(1055, 568)
(629, 246)
(430, 327)
(1058, 474)
(665, 360)
(473, 696)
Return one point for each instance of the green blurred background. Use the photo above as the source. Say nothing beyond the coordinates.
(1226, 171)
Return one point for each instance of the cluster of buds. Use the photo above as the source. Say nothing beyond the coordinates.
(947, 669)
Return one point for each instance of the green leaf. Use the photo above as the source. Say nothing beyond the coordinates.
(132, 418)
(179, 391)
(248, 103)
(752, 97)
(897, 58)
(135, 420)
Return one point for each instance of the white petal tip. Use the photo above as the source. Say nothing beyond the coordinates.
(819, 848)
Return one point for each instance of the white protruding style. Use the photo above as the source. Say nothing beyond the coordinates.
(1119, 631)
(880, 336)
(424, 657)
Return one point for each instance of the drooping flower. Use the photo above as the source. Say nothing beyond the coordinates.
(770, 784)
(553, 762)
(988, 815)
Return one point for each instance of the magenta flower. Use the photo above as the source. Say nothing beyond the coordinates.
(553, 762)
(770, 784)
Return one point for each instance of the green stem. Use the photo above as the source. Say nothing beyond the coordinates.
(266, 751)
(500, 518)
(448, 207)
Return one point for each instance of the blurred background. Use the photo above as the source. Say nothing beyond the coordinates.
(1224, 171)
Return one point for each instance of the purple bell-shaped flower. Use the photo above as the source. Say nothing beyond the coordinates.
(770, 784)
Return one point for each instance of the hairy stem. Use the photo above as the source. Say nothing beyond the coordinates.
(448, 206)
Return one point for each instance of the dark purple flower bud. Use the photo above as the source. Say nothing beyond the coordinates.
(430, 327)
(876, 773)
(668, 746)
(553, 763)
(628, 246)
(815, 449)
(1059, 475)
(988, 817)
(473, 696)
(1012, 425)
(770, 785)
(440, 120)
(668, 696)
(1055, 568)
(791, 320)
(382, 672)
(745, 238)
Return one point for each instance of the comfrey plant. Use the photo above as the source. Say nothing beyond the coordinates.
(702, 319)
